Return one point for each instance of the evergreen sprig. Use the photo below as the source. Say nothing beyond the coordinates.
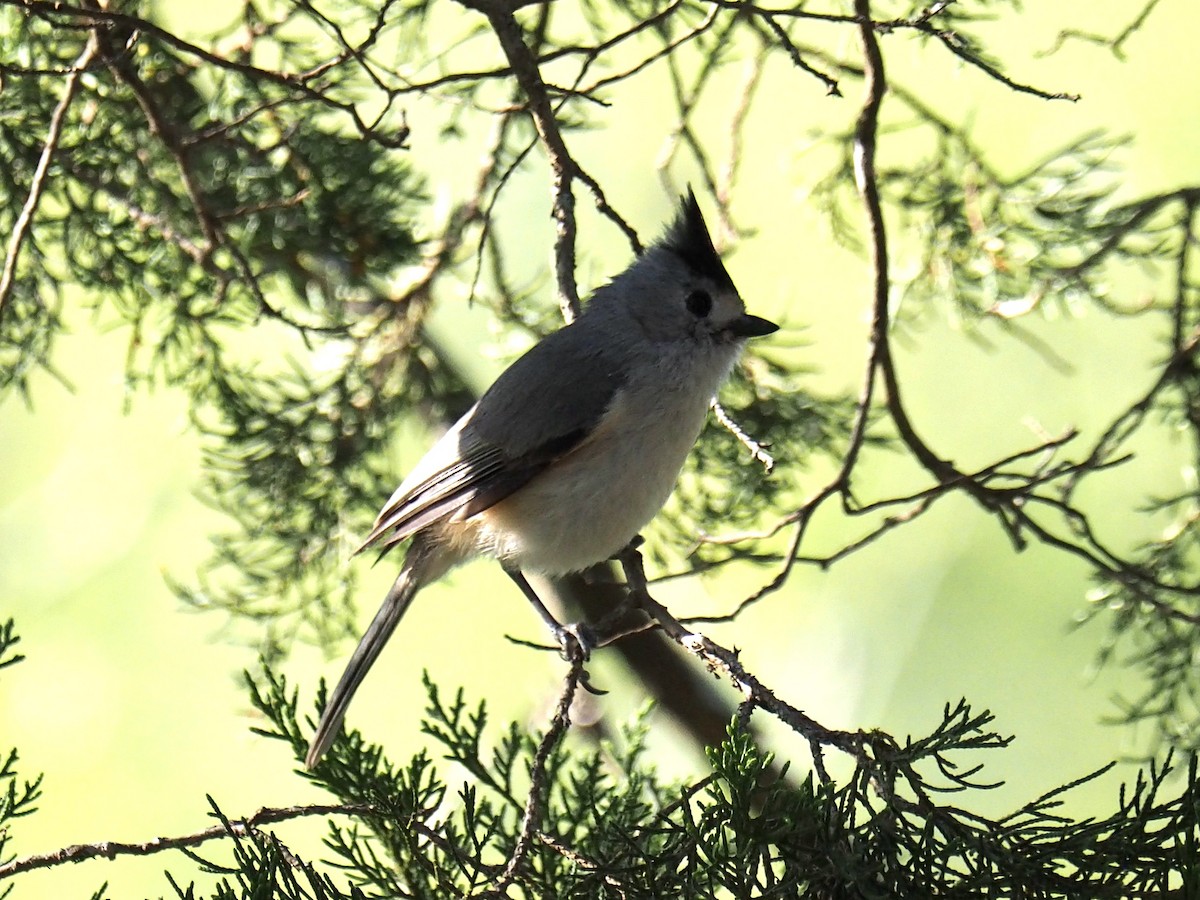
(18, 796)
(614, 829)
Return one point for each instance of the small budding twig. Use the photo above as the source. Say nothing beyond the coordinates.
(757, 451)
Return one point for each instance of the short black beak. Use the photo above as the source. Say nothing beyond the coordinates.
(748, 326)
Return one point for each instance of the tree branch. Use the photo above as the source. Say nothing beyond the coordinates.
(57, 11)
(112, 849)
(718, 658)
(563, 167)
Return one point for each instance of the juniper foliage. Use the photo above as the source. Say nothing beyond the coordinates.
(213, 195)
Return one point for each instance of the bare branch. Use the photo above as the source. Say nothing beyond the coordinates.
(60, 12)
(781, 35)
(726, 661)
(562, 166)
(923, 22)
(756, 449)
(956, 45)
(112, 849)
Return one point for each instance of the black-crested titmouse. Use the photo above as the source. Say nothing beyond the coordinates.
(576, 446)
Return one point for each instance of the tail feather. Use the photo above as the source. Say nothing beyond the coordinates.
(405, 587)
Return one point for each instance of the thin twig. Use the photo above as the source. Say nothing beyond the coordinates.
(535, 803)
(737, 121)
(578, 859)
(41, 172)
(781, 35)
(726, 661)
(57, 11)
(562, 166)
(112, 849)
(757, 451)
(1116, 43)
(665, 51)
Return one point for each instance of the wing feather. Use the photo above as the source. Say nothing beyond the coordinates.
(529, 418)
(479, 480)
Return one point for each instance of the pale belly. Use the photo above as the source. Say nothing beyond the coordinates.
(590, 504)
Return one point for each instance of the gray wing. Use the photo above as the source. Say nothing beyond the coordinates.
(542, 407)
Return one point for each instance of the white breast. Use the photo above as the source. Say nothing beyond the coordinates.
(589, 505)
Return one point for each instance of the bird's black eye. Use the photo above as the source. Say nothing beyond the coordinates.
(699, 303)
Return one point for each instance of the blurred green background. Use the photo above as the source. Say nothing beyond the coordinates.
(131, 704)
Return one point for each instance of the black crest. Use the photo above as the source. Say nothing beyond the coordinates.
(688, 239)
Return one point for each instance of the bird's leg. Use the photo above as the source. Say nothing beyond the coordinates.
(578, 633)
(629, 558)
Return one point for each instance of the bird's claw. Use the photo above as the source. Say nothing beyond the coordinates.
(575, 638)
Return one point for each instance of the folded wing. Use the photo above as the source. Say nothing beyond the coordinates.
(527, 420)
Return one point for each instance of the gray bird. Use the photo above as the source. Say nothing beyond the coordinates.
(576, 446)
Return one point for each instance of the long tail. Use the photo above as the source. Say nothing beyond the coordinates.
(421, 566)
